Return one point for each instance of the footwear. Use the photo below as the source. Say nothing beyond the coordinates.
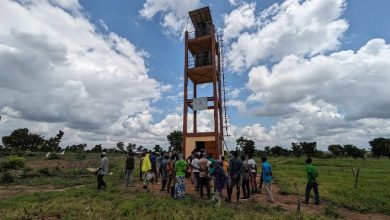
(316, 203)
(244, 198)
(271, 201)
(307, 203)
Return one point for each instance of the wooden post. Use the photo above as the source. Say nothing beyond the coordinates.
(356, 178)
(299, 201)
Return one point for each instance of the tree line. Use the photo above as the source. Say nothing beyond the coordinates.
(379, 147)
(23, 140)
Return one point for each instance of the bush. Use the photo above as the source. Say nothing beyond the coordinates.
(7, 178)
(331, 211)
(44, 171)
(12, 163)
(54, 156)
(81, 155)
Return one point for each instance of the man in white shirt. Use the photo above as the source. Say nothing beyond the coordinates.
(252, 174)
(195, 170)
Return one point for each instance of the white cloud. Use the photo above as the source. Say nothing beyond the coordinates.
(356, 82)
(293, 27)
(64, 72)
(174, 13)
(238, 20)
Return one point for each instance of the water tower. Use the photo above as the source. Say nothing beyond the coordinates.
(203, 64)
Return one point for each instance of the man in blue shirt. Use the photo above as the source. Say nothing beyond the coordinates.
(267, 178)
(235, 169)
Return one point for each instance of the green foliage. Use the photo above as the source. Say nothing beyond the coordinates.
(97, 149)
(380, 147)
(297, 150)
(175, 140)
(21, 140)
(121, 147)
(337, 150)
(331, 211)
(353, 151)
(157, 148)
(80, 155)
(247, 146)
(309, 148)
(130, 147)
(54, 156)
(278, 151)
(76, 148)
(44, 171)
(12, 163)
(6, 178)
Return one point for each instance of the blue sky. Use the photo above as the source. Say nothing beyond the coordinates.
(296, 70)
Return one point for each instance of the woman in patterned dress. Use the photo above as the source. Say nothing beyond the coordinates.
(180, 170)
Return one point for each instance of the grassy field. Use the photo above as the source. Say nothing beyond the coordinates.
(336, 182)
(118, 202)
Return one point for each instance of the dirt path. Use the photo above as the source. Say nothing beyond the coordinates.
(285, 202)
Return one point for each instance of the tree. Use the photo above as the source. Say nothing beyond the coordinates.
(97, 149)
(53, 144)
(21, 139)
(247, 146)
(157, 148)
(297, 149)
(309, 148)
(279, 151)
(76, 148)
(353, 151)
(267, 150)
(140, 148)
(130, 147)
(380, 147)
(337, 150)
(175, 140)
(121, 146)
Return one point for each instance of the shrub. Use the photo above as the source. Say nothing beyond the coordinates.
(331, 211)
(7, 178)
(54, 156)
(44, 171)
(13, 163)
(81, 155)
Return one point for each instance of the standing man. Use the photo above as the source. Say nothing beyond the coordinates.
(204, 165)
(235, 169)
(245, 178)
(312, 175)
(164, 171)
(102, 171)
(267, 178)
(129, 179)
(252, 174)
(195, 171)
(153, 160)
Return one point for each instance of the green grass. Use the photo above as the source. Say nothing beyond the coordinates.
(336, 181)
(336, 189)
(124, 204)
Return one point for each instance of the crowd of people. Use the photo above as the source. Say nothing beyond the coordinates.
(208, 175)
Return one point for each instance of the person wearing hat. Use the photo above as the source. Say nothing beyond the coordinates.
(102, 171)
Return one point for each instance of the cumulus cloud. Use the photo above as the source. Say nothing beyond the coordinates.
(89, 82)
(356, 82)
(238, 20)
(293, 27)
(174, 13)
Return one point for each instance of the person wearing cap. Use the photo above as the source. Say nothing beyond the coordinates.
(312, 175)
(180, 170)
(102, 171)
